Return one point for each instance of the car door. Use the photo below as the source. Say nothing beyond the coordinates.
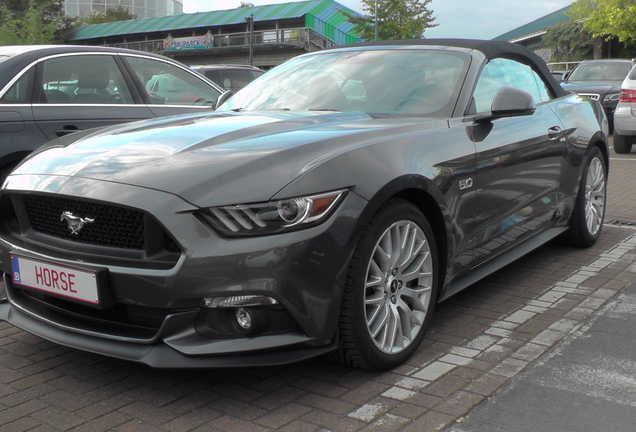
(518, 160)
(169, 89)
(83, 91)
(19, 135)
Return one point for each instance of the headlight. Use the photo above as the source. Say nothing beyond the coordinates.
(611, 97)
(272, 217)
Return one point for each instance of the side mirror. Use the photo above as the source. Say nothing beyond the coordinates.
(509, 102)
(223, 98)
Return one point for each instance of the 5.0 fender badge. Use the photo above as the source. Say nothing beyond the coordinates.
(75, 223)
(466, 183)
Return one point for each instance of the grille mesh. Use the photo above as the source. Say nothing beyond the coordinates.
(113, 226)
(590, 95)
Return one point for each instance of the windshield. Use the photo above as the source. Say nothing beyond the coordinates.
(600, 71)
(376, 81)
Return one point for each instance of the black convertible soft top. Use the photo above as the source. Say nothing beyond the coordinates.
(490, 49)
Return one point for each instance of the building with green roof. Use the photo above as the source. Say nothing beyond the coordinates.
(531, 34)
(280, 31)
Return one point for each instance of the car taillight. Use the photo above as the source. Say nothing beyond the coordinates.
(628, 96)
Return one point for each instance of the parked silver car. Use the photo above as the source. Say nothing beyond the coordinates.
(625, 115)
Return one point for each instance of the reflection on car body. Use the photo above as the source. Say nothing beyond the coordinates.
(325, 208)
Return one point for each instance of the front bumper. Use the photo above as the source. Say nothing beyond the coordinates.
(171, 352)
(157, 316)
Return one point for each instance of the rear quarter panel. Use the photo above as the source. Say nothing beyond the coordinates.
(588, 126)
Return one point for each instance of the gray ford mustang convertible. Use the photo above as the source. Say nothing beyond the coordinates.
(326, 207)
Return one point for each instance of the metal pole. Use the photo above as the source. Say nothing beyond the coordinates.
(376, 19)
(251, 39)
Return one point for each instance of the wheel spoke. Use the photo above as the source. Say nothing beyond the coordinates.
(415, 266)
(416, 246)
(407, 246)
(375, 276)
(382, 260)
(397, 237)
(418, 298)
(374, 299)
(408, 322)
(393, 328)
(379, 321)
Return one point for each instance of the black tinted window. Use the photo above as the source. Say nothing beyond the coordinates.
(83, 79)
(214, 76)
(600, 71)
(19, 92)
(167, 84)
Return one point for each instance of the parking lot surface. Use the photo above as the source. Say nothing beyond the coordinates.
(479, 342)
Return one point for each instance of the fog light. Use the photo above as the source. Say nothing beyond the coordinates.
(238, 301)
(243, 318)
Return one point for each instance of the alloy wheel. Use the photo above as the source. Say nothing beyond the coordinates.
(595, 192)
(398, 288)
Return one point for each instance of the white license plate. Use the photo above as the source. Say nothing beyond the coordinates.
(54, 279)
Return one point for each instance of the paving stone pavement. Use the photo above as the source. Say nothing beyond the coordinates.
(478, 341)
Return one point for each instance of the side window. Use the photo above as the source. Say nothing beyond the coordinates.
(170, 85)
(83, 79)
(214, 76)
(237, 79)
(19, 92)
(500, 73)
(543, 89)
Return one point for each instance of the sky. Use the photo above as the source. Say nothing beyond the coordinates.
(474, 19)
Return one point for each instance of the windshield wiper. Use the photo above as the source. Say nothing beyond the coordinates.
(324, 109)
(264, 109)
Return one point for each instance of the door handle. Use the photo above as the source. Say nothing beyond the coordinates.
(554, 133)
(68, 129)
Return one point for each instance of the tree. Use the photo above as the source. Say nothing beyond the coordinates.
(606, 18)
(33, 22)
(568, 42)
(246, 5)
(396, 19)
(109, 15)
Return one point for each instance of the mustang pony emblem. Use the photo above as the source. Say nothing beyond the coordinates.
(75, 223)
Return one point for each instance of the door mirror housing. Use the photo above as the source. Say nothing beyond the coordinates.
(223, 98)
(509, 102)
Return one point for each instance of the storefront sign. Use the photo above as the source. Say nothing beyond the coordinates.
(195, 42)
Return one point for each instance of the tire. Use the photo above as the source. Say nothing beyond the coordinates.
(390, 291)
(587, 217)
(622, 144)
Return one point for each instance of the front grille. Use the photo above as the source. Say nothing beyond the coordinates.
(112, 226)
(125, 236)
(590, 96)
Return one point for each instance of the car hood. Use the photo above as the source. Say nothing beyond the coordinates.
(216, 158)
(592, 87)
